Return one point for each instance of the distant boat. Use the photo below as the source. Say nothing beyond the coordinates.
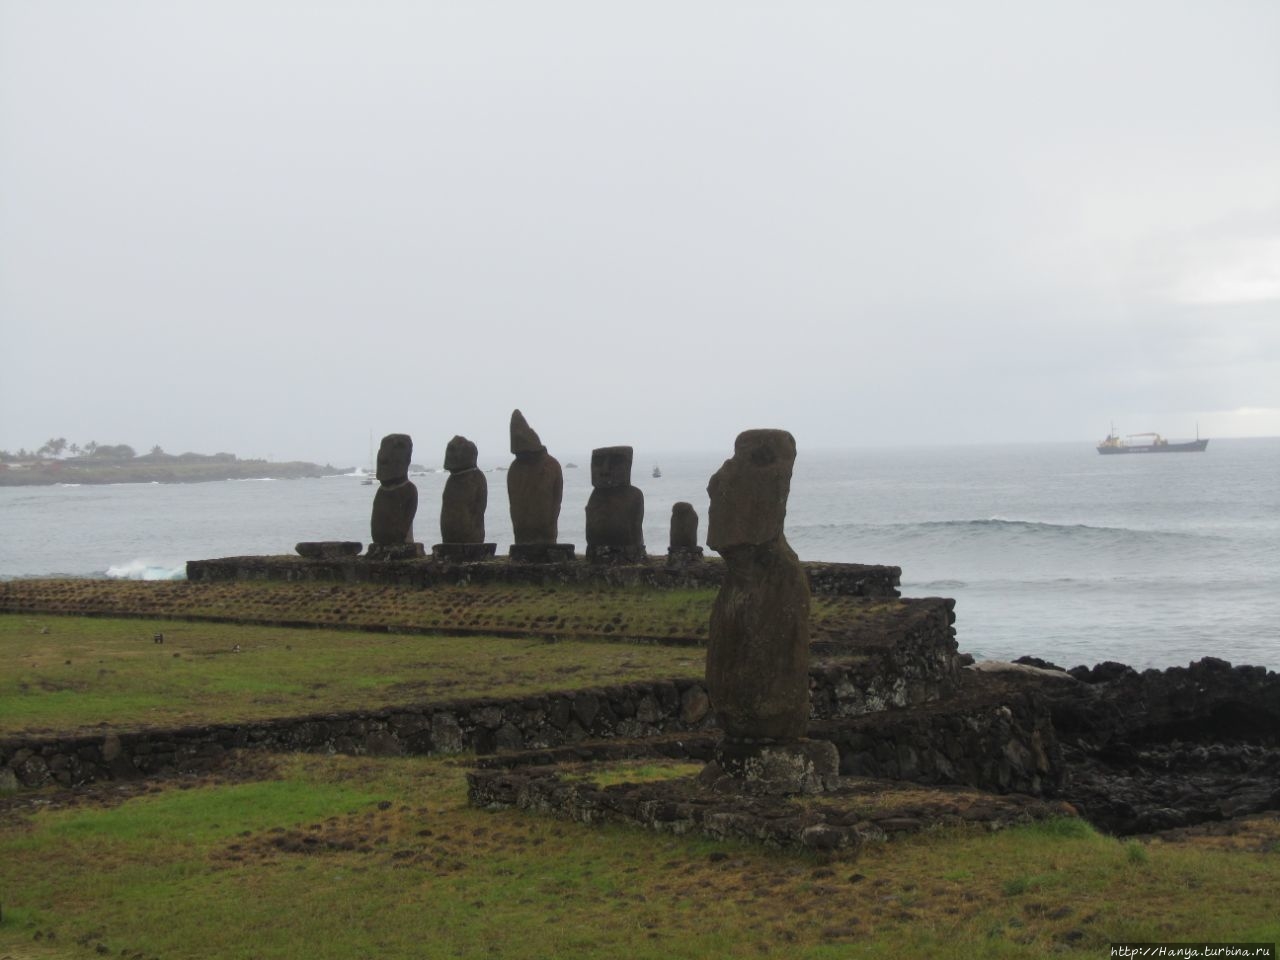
(657, 471)
(1158, 444)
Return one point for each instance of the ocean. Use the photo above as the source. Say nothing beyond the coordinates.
(1049, 549)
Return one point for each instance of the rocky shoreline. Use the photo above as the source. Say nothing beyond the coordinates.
(168, 470)
(1159, 749)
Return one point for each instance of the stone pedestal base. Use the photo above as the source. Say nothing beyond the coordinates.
(541, 552)
(395, 551)
(611, 555)
(773, 768)
(464, 552)
(680, 556)
(328, 549)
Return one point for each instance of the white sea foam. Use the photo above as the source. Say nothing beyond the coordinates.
(146, 570)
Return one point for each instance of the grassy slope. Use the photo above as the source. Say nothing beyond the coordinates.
(69, 674)
(347, 857)
(350, 857)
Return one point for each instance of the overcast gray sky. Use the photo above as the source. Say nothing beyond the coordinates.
(275, 227)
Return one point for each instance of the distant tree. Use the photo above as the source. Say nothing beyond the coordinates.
(53, 447)
(121, 451)
(5, 456)
(91, 447)
(74, 449)
(156, 451)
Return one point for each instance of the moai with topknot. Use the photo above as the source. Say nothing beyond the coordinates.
(535, 487)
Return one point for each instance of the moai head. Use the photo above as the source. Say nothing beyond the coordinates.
(611, 467)
(684, 525)
(749, 493)
(460, 454)
(394, 455)
(523, 439)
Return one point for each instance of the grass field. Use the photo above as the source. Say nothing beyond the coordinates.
(332, 857)
(68, 674)
(308, 856)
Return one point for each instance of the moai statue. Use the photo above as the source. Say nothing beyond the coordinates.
(535, 486)
(395, 503)
(466, 494)
(684, 535)
(758, 649)
(615, 510)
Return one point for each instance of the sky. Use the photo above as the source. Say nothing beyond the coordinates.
(279, 228)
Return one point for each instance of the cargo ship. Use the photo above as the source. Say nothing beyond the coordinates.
(1157, 444)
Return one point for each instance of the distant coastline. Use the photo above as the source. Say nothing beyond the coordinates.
(157, 468)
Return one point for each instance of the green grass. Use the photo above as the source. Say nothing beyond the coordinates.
(66, 674)
(351, 857)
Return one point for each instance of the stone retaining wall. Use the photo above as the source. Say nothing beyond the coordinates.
(1003, 742)
(838, 579)
(637, 710)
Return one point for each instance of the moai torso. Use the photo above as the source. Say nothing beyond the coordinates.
(758, 649)
(684, 526)
(396, 502)
(466, 494)
(615, 509)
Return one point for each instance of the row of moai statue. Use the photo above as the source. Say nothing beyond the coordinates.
(757, 668)
(535, 488)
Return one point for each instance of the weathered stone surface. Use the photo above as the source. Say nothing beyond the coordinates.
(601, 554)
(684, 526)
(615, 510)
(466, 494)
(840, 821)
(464, 552)
(328, 549)
(524, 439)
(758, 650)
(773, 769)
(535, 486)
(460, 454)
(396, 502)
(542, 553)
(831, 579)
(395, 551)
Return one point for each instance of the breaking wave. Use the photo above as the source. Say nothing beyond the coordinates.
(145, 570)
(1001, 529)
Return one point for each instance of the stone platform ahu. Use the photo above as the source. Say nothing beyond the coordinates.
(758, 648)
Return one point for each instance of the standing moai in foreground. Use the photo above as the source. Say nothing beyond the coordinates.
(683, 547)
(462, 506)
(395, 503)
(615, 509)
(758, 649)
(535, 487)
